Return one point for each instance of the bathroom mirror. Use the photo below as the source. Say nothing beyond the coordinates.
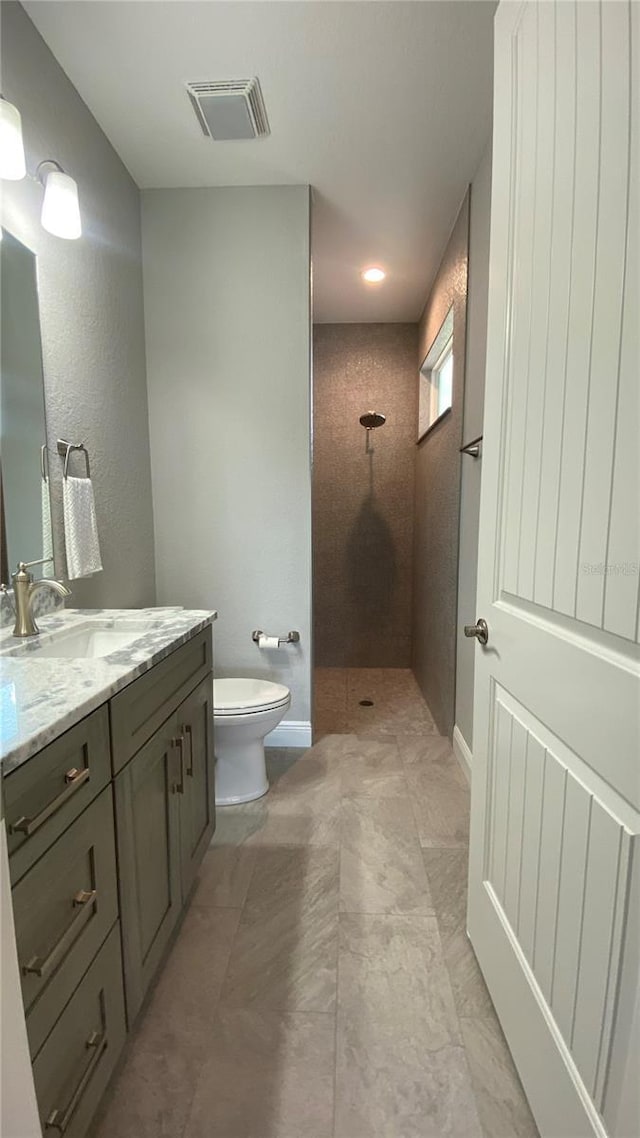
(25, 507)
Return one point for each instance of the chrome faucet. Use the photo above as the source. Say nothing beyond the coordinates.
(24, 588)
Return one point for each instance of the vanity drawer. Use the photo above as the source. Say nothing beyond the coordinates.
(45, 794)
(63, 909)
(142, 707)
(75, 1064)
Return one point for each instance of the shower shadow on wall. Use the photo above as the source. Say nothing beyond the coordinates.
(371, 576)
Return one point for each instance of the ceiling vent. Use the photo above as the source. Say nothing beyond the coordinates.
(229, 108)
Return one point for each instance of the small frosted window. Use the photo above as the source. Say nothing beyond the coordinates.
(442, 379)
(436, 378)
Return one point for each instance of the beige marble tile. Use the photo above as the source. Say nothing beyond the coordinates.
(302, 809)
(422, 750)
(310, 785)
(298, 830)
(151, 1096)
(439, 794)
(371, 766)
(447, 876)
(502, 1104)
(401, 1071)
(381, 867)
(237, 824)
(469, 989)
(285, 951)
(224, 877)
(447, 871)
(280, 760)
(267, 1075)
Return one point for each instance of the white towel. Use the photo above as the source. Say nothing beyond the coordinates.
(80, 528)
(47, 536)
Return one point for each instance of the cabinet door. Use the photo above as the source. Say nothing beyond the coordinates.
(197, 801)
(147, 820)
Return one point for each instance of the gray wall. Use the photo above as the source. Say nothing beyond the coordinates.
(437, 509)
(226, 275)
(91, 313)
(477, 299)
(363, 503)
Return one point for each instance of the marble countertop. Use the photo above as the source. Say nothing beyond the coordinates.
(42, 697)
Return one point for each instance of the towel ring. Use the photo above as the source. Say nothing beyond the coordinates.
(65, 449)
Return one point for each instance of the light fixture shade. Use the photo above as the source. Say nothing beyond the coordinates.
(60, 208)
(12, 163)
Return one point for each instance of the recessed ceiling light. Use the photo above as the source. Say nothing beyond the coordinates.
(373, 275)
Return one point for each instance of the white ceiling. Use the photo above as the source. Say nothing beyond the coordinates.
(384, 107)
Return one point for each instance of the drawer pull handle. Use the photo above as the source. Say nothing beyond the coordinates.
(38, 966)
(74, 780)
(189, 733)
(60, 1119)
(178, 787)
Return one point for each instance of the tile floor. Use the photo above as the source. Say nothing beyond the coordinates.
(398, 706)
(322, 984)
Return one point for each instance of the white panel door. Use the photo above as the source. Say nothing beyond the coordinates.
(553, 914)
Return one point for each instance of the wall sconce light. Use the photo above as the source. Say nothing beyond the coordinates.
(12, 162)
(60, 208)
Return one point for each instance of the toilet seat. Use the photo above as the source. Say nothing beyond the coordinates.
(237, 697)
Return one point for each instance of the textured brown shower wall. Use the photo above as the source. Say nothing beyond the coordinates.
(363, 504)
(438, 467)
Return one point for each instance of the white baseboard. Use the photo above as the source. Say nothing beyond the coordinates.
(290, 733)
(462, 752)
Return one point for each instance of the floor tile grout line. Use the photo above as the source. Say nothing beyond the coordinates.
(429, 914)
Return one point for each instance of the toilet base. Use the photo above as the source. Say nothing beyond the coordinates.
(241, 772)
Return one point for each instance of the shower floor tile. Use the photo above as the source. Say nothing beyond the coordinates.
(396, 703)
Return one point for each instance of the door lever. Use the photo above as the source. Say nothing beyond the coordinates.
(480, 630)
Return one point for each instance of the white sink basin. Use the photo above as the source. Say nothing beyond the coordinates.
(87, 641)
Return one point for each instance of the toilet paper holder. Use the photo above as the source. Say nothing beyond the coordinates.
(290, 638)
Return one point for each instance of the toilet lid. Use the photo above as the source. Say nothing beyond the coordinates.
(239, 694)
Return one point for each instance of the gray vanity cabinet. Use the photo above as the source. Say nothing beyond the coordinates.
(106, 828)
(165, 816)
(197, 805)
(147, 822)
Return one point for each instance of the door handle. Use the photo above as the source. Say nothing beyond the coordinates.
(189, 735)
(43, 965)
(480, 630)
(60, 1119)
(178, 788)
(74, 779)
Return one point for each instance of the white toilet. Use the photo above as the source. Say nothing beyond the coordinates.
(244, 711)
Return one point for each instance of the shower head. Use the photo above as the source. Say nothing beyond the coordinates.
(372, 419)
